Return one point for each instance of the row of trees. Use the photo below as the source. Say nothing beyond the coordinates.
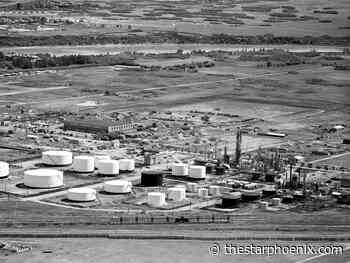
(47, 60)
(169, 37)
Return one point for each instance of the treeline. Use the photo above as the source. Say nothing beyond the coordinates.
(271, 56)
(169, 37)
(47, 60)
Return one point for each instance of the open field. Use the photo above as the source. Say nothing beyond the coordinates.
(279, 17)
(293, 99)
(342, 161)
(104, 250)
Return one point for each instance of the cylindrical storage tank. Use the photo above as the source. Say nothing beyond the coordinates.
(269, 191)
(270, 177)
(298, 195)
(126, 165)
(176, 193)
(57, 158)
(192, 187)
(98, 158)
(179, 169)
(276, 201)
(156, 199)
(203, 192)
(230, 200)
(83, 164)
(180, 186)
(83, 194)
(219, 170)
(299, 158)
(108, 167)
(287, 199)
(251, 195)
(43, 178)
(151, 178)
(4, 169)
(197, 172)
(117, 187)
(214, 190)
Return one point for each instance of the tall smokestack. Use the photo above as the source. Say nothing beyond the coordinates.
(238, 145)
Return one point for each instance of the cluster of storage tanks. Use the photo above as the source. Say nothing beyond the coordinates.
(191, 171)
(51, 178)
(178, 193)
(86, 194)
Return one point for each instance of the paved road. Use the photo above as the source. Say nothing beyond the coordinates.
(330, 157)
(33, 90)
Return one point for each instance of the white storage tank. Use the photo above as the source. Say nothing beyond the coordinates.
(177, 193)
(202, 192)
(192, 187)
(4, 169)
(156, 199)
(57, 158)
(179, 169)
(197, 172)
(83, 164)
(43, 178)
(214, 190)
(126, 165)
(98, 158)
(83, 194)
(108, 167)
(276, 201)
(251, 194)
(117, 186)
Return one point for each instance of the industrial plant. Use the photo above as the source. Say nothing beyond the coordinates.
(174, 131)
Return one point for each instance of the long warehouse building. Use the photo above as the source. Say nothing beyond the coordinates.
(98, 126)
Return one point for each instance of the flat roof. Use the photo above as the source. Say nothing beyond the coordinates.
(96, 122)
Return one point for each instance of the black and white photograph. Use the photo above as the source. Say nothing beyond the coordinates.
(174, 131)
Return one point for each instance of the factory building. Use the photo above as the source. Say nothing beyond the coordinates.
(98, 126)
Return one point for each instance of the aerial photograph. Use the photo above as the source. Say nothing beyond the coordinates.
(174, 131)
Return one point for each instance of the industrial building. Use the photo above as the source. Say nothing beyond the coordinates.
(98, 125)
